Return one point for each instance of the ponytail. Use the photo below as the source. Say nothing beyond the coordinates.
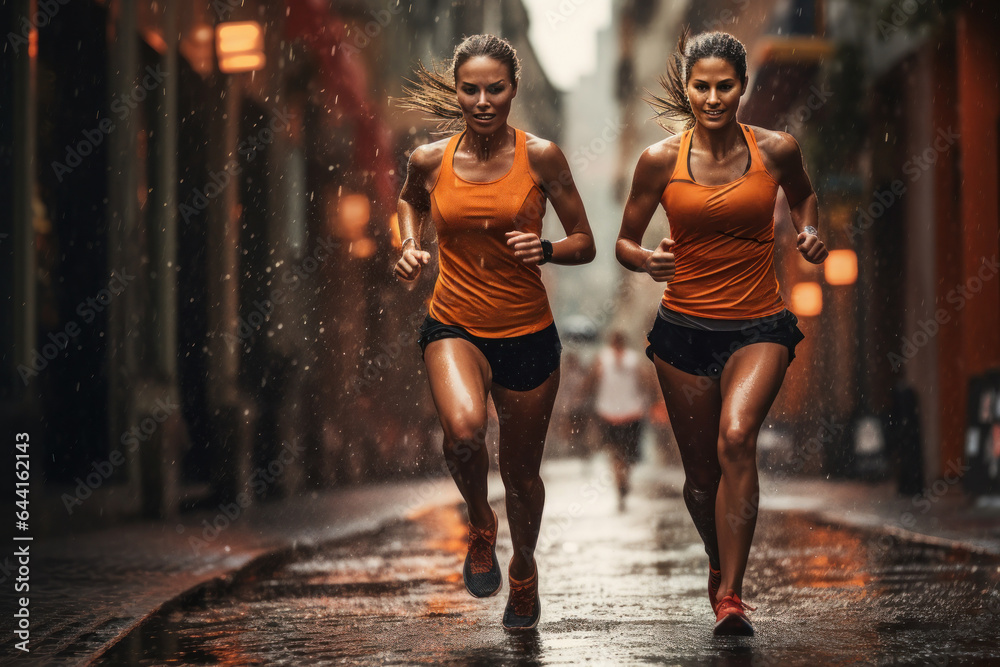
(433, 93)
(673, 106)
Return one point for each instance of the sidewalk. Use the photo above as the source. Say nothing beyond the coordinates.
(89, 590)
(940, 516)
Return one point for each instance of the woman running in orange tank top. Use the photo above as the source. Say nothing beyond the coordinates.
(721, 316)
(489, 329)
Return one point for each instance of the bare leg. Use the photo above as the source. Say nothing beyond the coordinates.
(621, 468)
(750, 381)
(460, 378)
(525, 420)
(694, 404)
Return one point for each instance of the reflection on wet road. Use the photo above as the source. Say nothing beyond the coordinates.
(616, 589)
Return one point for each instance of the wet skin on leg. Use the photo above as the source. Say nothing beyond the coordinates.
(523, 425)
(694, 405)
(750, 382)
(460, 379)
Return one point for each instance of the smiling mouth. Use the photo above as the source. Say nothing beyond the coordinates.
(714, 114)
(484, 116)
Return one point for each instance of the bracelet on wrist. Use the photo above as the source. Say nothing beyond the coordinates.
(809, 229)
(408, 238)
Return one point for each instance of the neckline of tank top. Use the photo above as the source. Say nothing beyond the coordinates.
(690, 140)
(513, 163)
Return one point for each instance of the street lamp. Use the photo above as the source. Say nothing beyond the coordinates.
(353, 213)
(239, 46)
(807, 299)
(841, 267)
(394, 230)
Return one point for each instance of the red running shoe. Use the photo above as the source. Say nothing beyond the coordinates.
(731, 618)
(481, 571)
(714, 579)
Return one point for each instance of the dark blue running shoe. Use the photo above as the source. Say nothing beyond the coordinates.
(481, 572)
(523, 604)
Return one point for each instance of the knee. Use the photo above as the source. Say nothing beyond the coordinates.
(701, 487)
(463, 430)
(737, 445)
(519, 481)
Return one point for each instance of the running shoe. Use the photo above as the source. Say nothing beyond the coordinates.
(714, 579)
(481, 572)
(523, 604)
(731, 617)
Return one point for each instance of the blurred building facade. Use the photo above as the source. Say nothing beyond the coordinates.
(895, 105)
(197, 268)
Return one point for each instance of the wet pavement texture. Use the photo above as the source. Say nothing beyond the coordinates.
(616, 588)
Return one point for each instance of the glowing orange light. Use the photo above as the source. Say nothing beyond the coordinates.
(155, 40)
(239, 46)
(394, 229)
(202, 33)
(841, 267)
(353, 213)
(242, 63)
(807, 299)
(362, 248)
(33, 43)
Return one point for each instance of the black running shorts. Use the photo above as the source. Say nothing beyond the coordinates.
(700, 352)
(518, 363)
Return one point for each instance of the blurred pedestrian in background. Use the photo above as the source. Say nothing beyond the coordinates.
(621, 401)
(573, 408)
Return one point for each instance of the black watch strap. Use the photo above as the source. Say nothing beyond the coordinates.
(546, 252)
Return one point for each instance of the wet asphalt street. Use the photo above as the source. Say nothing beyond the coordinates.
(616, 588)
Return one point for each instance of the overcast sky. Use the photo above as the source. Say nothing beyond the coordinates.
(564, 34)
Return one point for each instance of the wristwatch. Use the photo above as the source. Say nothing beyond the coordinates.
(546, 251)
(809, 229)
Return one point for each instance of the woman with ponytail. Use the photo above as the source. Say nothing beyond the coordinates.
(721, 316)
(489, 329)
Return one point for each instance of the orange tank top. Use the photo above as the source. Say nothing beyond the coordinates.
(481, 286)
(724, 240)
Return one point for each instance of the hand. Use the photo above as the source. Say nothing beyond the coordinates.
(408, 267)
(527, 247)
(660, 264)
(811, 248)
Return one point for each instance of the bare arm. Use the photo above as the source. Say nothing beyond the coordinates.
(413, 209)
(786, 156)
(650, 180)
(551, 169)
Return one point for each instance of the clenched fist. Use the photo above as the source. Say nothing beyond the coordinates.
(410, 263)
(811, 248)
(660, 264)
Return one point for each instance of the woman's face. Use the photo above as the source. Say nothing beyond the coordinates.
(485, 92)
(715, 90)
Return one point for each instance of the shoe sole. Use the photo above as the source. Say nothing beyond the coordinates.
(733, 625)
(523, 628)
(482, 597)
(488, 595)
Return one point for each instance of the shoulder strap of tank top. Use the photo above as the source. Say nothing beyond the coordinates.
(448, 160)
(681, 171)
(520, 151)
(755, 160)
